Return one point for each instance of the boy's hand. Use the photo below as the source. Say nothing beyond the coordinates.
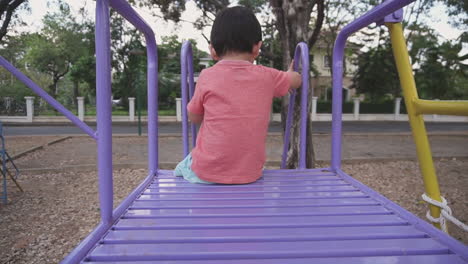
(291, 66)
(294, 78)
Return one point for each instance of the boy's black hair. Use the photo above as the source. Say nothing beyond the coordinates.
(235, 29)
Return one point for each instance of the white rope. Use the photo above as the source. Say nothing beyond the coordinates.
(445, 214)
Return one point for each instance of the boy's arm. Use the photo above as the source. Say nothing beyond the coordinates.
(195, 107)
(294, 77)
(195, 118)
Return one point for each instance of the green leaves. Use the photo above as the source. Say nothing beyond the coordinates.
(377, 75)
(439, 68)
(458, 11)
(442, 74)
(132, 68)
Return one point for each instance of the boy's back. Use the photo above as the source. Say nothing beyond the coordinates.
(232, 101)
(235, 99)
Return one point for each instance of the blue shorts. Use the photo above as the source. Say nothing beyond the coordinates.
(184, 169)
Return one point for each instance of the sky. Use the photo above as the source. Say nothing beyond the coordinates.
(184, 30)
(436, 18)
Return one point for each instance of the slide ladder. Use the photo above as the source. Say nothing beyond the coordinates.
(9, 170)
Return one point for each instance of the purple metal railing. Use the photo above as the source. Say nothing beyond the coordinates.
(103, 111)
(132, 16)
(186, 63)
(103, 92)
(301, 54)
(103, 83)
(374, 15)
(39, 91)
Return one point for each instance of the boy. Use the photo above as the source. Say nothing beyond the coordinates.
(232, 102)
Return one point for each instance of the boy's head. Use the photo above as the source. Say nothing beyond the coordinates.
(235, 30)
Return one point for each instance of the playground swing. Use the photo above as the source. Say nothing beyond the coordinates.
(288, 216)
(8, 169)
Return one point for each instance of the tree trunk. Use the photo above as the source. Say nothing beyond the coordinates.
(75, 92)
(52, 90)
(55, 92)
(292, 23)
(294, 147)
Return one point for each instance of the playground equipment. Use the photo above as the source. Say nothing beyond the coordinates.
(289, 216)
(7, 167)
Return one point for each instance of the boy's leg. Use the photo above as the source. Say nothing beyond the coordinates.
(184, 168)
(183, 165)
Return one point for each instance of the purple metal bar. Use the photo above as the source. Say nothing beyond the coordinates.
(178, 222)
(454, 244)
(39, 91)
(186, 63)
(105, 147)
(184, 53)
(301, 54)
(103, 110)
(374, 15)
(132, 16)
(88, 243)
(287, 132)
(191, 92)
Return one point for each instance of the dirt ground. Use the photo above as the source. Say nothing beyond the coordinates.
(60, 204)
(80, 152)
(15, 145)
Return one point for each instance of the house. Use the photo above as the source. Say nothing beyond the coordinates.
(321, 79)
(205, 62)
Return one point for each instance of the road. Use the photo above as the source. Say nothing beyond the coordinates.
(175, 128)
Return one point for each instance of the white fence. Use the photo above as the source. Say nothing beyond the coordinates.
(355, 116)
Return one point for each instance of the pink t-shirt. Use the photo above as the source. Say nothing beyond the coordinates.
(235, 98)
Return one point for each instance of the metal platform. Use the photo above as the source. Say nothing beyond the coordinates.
(288, 216)
(309, 216)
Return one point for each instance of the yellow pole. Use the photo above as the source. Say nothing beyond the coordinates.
(405, 72)
(442, 107)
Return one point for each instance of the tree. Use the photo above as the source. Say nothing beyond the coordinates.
(458, 12)
(377, 75)
(57, 47)
(130, 64)
(46, 57)
(14, 50)
(132, 73)
(412, 15)
(337, 15)
(84, 67)
(7, 12)
(438, 66)
(442, 73)
(169, 54)
(292, 20)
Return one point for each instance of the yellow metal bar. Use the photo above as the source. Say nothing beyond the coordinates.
(423, 150)
(441, 107)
